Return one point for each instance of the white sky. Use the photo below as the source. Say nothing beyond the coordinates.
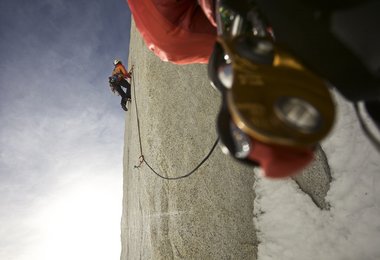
(61, 135)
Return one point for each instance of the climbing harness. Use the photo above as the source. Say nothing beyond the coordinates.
(142, 158)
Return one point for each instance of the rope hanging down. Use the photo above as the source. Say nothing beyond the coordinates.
(142, 158)
(366, 129)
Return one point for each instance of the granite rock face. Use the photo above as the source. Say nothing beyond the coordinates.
(208, 215)
(315, 179)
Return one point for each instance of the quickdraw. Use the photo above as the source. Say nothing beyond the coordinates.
(141, 161)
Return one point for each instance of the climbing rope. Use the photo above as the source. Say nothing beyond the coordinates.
(142, 158)
(366, 129)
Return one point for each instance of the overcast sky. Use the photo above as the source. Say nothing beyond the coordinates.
(62, 130)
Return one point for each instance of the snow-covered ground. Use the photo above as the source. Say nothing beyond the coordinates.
(291, 226)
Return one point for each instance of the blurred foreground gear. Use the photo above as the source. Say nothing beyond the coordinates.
(274, 111)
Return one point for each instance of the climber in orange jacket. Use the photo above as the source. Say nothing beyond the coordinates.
(118, 80)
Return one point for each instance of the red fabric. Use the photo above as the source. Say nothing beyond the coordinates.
(280, 161)
(208, 9)
(175, 30)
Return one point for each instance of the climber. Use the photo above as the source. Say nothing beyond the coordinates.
(118, 80)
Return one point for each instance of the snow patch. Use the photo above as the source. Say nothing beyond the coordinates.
(291, 226)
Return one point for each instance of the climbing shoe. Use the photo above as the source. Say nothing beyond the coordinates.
(124, 105)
